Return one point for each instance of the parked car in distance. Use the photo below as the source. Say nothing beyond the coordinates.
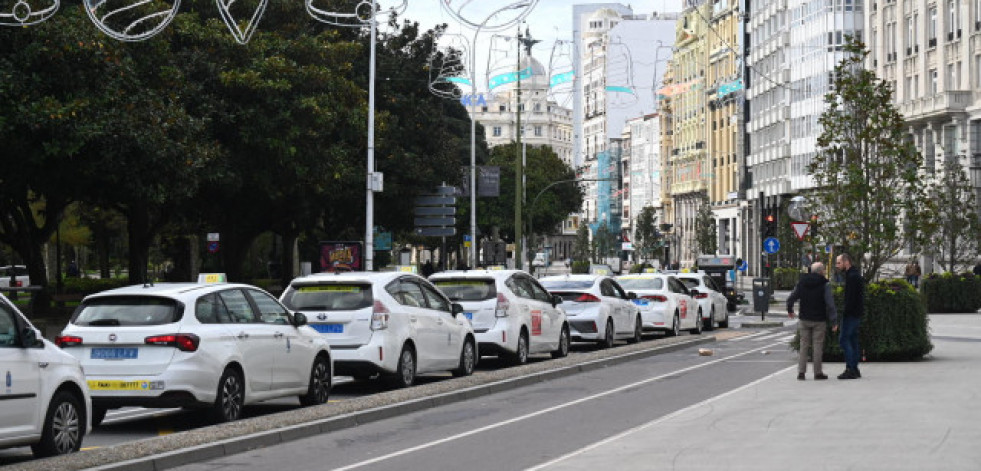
(665, 303)
(512, 314)
(14, 276)
(395, 325)
(218, 346)
(711, 299)
(598, 309)
(44, 401)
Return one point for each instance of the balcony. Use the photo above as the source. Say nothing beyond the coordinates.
(945, 102)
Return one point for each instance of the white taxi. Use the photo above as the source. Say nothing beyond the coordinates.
(512, 315)
(599, 310)
(711, 300)
(219, 346)
(665, 303)
(392, 324)
(44, 402)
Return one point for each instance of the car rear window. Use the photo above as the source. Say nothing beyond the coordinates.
(128, 311)
(641, 283)
(329, 297)
(689, 282)
(556, 285)
(467, 289)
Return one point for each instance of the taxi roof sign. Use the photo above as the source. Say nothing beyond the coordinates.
(212, 278)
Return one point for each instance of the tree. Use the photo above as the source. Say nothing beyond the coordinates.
(581, 249)
(604, 242)
(958, 229)
(647, 239)
(866, 168)
(706, 232)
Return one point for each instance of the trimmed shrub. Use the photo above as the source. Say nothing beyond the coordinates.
(895, 326)
(785, 278)
(950, 292)
(640, 267)
(87, 286)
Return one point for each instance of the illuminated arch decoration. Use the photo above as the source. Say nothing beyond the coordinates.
(561, 73)
(242, 16)
(24, 13)
(448, 74)
(131, 20)
(488, 15)
(620, 89)
(360, 16)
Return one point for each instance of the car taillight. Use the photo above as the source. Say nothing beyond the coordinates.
(701, 295)
(379, 316)
(587, 298)
(18, 284)
(501, 310)
(656, 297)
(183, 342)
(68, 341)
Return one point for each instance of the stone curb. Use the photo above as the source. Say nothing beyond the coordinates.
(115, 459)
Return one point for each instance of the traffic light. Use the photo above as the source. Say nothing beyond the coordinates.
(769, 224)
(814, 226)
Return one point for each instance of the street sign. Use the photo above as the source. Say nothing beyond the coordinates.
(800, 229)
(213, 246)
(744, 266)
(435, 200)
(771, 245)
(434, 210)
(436, 231)
(437, 221)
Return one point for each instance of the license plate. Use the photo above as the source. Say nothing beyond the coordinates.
(640, 302)
(120, 385)
(468, 315)
(115, 353)
(328, 328)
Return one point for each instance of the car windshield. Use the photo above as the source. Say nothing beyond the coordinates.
(467, 289)
(128, 310)
(641, 283)
(329, 297)
(558, 285)
(689, 282)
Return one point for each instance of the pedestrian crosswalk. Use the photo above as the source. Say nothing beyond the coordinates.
(765, 336)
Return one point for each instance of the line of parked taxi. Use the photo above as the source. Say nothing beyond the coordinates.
(220, 346)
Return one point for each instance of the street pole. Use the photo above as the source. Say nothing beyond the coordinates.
(518, 171)
(369, 237)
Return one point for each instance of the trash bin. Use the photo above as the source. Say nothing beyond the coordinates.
(761, 295)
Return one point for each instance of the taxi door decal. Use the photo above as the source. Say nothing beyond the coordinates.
(684, 308)
(536, 322)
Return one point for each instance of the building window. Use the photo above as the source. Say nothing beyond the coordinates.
(497, 131)
(538, 131)
(933, 81)
(932, 27)
(951, 18)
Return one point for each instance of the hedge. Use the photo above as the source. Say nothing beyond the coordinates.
(87, 286)
(895, 326)
(580, 266)
(950, 292)
(785, 278)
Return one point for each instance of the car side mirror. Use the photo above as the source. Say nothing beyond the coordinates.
(631, 295)
(456, 308)
(299, 319)
(28, 338)
(556, 300)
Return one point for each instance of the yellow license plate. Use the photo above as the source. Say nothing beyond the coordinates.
(116, 385)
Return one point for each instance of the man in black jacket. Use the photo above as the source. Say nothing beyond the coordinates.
(817, 308)
(852, 317)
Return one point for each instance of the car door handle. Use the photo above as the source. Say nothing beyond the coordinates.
(243, 335)
(278, 335)
(413, 319)
(439, 321)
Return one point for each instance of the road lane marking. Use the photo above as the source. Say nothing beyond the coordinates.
(751, 336)
(657, 421)
(496, 425)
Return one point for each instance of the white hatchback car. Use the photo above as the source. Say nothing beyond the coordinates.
(220, 346)
(393, 324)
(14, 276)
(599, 309)
(512, 315)
(710, 298)
(44, 402)
(665, 303)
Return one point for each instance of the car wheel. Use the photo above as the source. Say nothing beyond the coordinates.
(638, 331)
(320, 378)
(710, 325)
(98, 415)
(724, 323)
(675, 328)
(609, 337)
(520, 357)
(64, 426)
(405, 375)
(563, 350)
(231, 397)
(699, 321)
(468, 359)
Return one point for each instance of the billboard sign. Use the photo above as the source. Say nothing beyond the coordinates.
(341, 256)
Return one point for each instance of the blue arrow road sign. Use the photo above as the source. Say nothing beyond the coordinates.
(744, 266)
(771, 245)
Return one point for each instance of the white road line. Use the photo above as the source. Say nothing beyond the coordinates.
(545, 411)
(750, 336)
(657, 421)
(772, 336)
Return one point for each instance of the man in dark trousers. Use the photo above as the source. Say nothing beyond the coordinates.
(852, 317)
(817, 308)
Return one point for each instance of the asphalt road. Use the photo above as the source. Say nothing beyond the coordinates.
(532, 425)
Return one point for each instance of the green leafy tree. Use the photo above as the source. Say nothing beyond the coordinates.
(647, 239)
(604, 242)
(581, 249)
(958, 229)
(866, 168)
(706, 232)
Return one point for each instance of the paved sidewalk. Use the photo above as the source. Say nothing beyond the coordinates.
(922, 415)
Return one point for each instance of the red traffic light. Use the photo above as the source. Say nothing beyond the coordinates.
(769, 218)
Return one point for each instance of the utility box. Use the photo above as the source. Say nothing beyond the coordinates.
(761, 295)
